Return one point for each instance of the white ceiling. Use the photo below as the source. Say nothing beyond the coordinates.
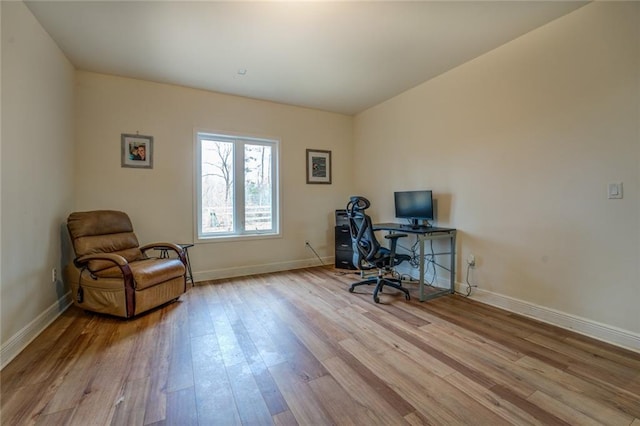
(335, 56)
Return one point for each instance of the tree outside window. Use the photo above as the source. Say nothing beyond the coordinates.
(237, 192)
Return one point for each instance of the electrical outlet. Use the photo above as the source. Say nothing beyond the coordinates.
(471, 260)
(54, 275)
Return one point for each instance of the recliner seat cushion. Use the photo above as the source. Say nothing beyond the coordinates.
(147, 272)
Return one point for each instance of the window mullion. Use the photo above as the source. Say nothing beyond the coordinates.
(239, 186)
(198, 186)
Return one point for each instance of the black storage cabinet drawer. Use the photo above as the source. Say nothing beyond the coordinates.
(344, 253)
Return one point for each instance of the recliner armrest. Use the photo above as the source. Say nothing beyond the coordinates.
(115, 258)
(122, 263)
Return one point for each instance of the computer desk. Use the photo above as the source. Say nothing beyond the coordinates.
(427, 233)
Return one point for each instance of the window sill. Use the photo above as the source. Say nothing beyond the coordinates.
(235, 238)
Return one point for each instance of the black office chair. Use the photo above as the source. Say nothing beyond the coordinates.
(369, 254)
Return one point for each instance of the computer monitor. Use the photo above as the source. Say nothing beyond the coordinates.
(414, 205)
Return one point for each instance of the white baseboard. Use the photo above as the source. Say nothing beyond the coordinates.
(239, 271)
(590, 328)
(12, 347)
(606, 333)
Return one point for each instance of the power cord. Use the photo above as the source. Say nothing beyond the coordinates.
(429, 261)
(469, 285)
(308, 244)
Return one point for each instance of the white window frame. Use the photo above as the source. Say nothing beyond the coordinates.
(238, 190)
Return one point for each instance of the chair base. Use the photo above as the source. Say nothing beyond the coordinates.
(380, 283)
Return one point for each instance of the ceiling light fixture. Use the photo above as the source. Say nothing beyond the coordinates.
(242, 71)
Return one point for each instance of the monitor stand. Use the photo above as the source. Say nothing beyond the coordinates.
(415, 224)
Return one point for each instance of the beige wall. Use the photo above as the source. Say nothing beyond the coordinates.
(519, 145)
(160, 201)
(37, 173)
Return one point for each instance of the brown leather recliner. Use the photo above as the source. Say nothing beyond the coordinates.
(112, 274)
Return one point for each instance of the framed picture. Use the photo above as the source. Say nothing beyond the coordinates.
(137, 151)
(318, 166)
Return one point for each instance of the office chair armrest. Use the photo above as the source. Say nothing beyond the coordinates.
(394, 243)
(395, 236)
(166, 246)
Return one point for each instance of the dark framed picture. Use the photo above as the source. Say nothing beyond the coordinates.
(318, 166)
(137, 151)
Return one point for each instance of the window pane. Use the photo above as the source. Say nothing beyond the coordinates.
(217, 186)
(237, 180)
(258, 188)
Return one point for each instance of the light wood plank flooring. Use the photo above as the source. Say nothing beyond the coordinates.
(296, 348)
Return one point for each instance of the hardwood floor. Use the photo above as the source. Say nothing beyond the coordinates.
(297, 348)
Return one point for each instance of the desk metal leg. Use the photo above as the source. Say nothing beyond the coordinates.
(452, 269)
(452, 290)
(421, 269)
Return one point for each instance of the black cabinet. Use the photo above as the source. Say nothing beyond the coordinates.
(344, 253)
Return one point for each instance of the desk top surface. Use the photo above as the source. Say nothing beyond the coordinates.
(410, 229)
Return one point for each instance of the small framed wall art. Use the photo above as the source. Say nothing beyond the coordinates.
(137, 151)
(318, 166)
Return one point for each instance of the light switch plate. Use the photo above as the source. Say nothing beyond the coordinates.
(615, 190)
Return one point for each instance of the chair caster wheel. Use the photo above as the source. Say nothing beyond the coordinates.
(350, 289)
(376, 299)
(407, 297)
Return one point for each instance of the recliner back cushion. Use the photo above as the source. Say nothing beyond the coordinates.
(103, 231)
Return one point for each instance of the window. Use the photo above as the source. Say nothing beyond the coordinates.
(237, 186)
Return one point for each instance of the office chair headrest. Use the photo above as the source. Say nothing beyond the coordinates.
(358, 203)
